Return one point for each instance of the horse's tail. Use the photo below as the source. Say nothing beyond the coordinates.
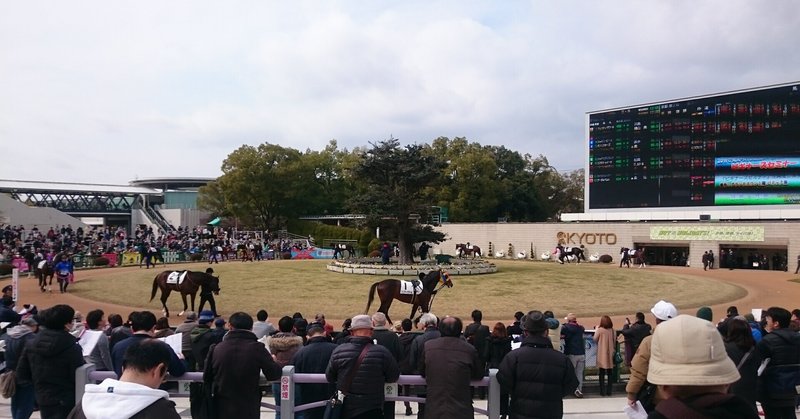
(155, 288)
(371, 296)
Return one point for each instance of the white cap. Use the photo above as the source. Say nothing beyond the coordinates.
(664, 310)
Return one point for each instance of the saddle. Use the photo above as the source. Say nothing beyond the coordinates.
(413, 287)
(176, 277)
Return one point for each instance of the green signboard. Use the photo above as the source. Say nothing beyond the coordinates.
(710, 233)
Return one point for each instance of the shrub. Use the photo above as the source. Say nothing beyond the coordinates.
(101, 261)
(375, 254)
(606, 259)
(5, 268)
(196, 257)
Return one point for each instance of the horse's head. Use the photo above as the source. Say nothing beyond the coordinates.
(444, 279)
(213, 284)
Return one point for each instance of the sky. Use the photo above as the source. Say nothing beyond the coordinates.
(108, 92)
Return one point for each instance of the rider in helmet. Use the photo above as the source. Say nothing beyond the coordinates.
(64, 270)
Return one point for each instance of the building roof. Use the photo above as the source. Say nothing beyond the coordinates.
(172, 182)
(9, 185)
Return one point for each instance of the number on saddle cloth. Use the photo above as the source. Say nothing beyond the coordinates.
(41, 264)
(176, 277)
(567, 250)
(410, 287)
(632, 252)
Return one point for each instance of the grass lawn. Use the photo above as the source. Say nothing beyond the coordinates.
(283, 287)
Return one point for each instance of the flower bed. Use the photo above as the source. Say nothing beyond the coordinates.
(373, 266)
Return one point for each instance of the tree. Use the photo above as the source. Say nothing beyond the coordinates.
(391, 184)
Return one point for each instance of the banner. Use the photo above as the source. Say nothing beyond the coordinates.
(708, 233)
(130, 258)
(112, 258)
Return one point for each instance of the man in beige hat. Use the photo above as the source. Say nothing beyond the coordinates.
(640, 363)
(689, 364)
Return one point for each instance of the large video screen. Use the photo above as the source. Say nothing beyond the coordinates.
(739, 148)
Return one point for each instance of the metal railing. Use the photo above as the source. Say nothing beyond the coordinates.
(86, 374)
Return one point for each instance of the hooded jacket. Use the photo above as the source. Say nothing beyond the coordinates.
(284, 345)
(123, 400)
(776, 386)
(16, 339)
(49, 361)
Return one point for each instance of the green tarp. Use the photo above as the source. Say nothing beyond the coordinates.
(215, 221)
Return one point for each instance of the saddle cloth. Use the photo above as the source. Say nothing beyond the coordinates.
(176, 277)
(410, 287)
(41, 264)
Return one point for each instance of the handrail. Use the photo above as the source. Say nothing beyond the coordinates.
(86, 374)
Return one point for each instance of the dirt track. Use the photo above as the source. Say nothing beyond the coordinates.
(764, 289)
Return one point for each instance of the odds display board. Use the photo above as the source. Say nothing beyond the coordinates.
(738, 148)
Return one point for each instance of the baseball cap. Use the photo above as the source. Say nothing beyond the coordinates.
(689, 351)
(664, 310)
(206, 316)
(361, 321)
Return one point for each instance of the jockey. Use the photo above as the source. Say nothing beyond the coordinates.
(469, 246)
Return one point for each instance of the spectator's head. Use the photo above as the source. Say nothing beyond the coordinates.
(571, 318)
(398, 326)
(31, 323)
(796, 314)
(639, 317)
(732, 311)
(57, 317)
(518, 316)
(688, 357)
(777, 318)
(300, 326)
(262, 315)
(428, 320)
(705, 313)
(114, 320)
(206, 317)
(241, 321)
(94, 319)
(407, 325)
(549, 315)
(286, 324)
(451, 327)
(142, 321)
(379, 319)
(664, 311)
(191, 316)
(320, 318)
(162, 323)
(297, 315)
(477, 316)
(361, 325)
(145, 362)
(749, 317)
(219, 323)
(740, 334)
(499, 330)
(314, 330)
(534, 323)
(606, 323)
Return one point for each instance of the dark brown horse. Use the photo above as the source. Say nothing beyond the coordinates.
(463, 250)
(389, 290)
(192, 282)
(44, 270)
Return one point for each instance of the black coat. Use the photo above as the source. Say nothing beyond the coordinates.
(477, 334)
(406, 339)
(746, 386)
(417, 346)
(448, 365)
(776, 384)
(498, 349)
(49, 360)
(537, 378)
(313, 359)
(635, 333)
(236, 365)
(366, 391)
(387, 339)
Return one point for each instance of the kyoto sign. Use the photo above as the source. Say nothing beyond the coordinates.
(711, 233)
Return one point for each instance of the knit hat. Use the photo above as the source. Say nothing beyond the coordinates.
(534, 322)
(689, 351)
(664, 310)
(205, 316)
(705, 313)
(361, 321)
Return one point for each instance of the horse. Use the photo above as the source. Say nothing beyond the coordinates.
(569, 253)
(192, 282)
(340, 248)
(638, 258)
(44, 270)
(390, 290)
(468, 250)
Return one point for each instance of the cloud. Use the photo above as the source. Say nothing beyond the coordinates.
(142, 89)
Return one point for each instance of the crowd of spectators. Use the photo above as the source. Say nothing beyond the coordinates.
(719, 374)
(17, 242)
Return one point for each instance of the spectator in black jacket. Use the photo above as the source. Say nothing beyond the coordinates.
(634, 333)
(515, 329)
(50, 360)
(536, 376)
(365, 393)
(777, 383)
(430, 323)
(313, 359)
(143, 323)
(575, 348)
(406, 339)
(7, 313)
